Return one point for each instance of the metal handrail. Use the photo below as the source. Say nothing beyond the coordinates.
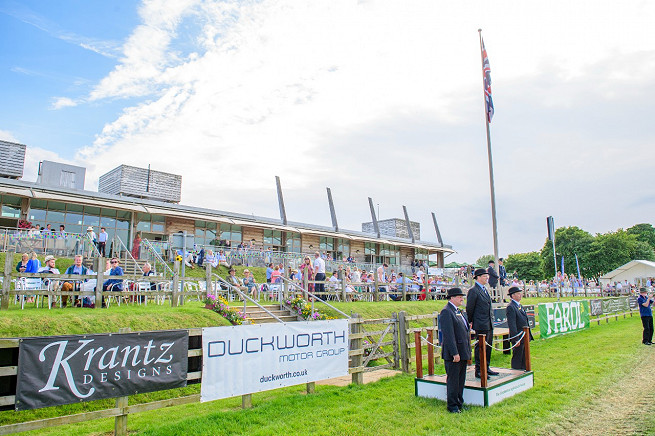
(127, 252)
(284, 279)
(146, 243)
(244, 297)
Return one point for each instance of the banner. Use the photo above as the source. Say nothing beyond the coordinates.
(500, 317)
(56, 370)
(239, 360)
(614, 305)
(563, 317)
(596, 307)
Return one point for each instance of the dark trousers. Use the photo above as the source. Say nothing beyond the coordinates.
(647, 322)
(320, 287)
(518, 356)
(101, 248)
(489, 337)
(455, 379)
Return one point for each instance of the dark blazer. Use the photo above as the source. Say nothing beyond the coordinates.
(455, 336)
(478, 309)
(493, 277)
(516, 320)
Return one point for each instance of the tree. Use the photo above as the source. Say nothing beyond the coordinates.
(569, 241)
(611, 250)
(644, 233)
(528, 266)
(484, 260)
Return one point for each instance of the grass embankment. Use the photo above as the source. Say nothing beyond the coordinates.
(570, 371)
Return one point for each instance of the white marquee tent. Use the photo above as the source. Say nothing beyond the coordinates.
(634, 272)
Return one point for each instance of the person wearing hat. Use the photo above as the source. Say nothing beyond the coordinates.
(455, 348)
(480, 314)
(517, 319)
(645, 302)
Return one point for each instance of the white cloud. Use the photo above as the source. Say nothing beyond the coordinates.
(7, 136)
(383, 99)
(62, 102)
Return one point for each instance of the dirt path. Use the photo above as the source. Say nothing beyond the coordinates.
(620, 410)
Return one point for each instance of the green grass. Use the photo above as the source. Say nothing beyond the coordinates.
(568, 371)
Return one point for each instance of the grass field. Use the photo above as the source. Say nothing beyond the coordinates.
(575, 375)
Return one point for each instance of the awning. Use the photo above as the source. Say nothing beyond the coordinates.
(266, 225)
(181, 214)
(23, 192)
(88, 201)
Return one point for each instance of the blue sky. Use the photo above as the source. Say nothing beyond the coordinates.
(379, 98)
(43, 55)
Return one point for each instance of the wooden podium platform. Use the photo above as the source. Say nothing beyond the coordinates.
(507, 384)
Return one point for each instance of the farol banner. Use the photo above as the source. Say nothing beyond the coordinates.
(563, 317)
(239, 360)
(56, 370)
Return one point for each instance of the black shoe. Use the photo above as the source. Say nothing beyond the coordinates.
(492, 372)
(477, 375)
(648, 343)
(455, 411)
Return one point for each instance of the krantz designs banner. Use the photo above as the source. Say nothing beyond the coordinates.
(56, 370)
(563, 317)
(244, 359)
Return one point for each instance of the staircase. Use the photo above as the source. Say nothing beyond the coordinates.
(259, 316)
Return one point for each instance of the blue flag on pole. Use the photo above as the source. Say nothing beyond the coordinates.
(562, 264)
(486, 73)
(578, 266)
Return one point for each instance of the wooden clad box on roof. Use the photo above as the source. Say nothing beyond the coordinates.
(12, 159)
(142, 183)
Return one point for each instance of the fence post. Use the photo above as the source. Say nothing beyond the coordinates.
(176, 283)
(356, 344)
(120, 422)
(342, 280)
(246, 401)
(311, 387)
(208, 277)
(404, 288)
(100, 268)
(396, 348)
(402, 341)
(376, 287)
(6, 279)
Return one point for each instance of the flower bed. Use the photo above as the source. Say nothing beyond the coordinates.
(302, 307)
(221, 306)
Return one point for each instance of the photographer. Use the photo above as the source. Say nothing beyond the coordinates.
(645, 302)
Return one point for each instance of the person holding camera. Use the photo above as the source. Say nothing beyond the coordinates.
(645, 302)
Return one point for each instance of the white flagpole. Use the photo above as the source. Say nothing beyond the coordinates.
(491, 166)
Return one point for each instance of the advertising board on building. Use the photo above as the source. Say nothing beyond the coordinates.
(563, 317)
(56, 370)
(239, 360)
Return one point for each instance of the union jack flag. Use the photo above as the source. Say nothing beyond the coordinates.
(486, 73)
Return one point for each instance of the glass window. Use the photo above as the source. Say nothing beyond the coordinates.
(107, 222)
(77, 208)
(108, 212)
(91, 220)
(292, 242)
(73, 218)
(158, 227)
(55, 216)
(36, 215)
(10, 199)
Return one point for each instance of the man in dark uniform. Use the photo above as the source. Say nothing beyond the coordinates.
(455, 348)
(516, 320)
(480, 315)
(502, 273)
(493, 275)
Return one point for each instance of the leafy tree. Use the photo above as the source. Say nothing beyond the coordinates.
(610, 250)
(569, 241)
(484, 260)
(528, 266)
(644, 232)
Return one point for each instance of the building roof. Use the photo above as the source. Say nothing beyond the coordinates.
(627, 267)
(34, 190)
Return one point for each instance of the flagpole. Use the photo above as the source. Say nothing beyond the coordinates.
(491, 165)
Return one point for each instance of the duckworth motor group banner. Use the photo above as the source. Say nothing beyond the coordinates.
(56, 370)
(244, 359)
(563, 317)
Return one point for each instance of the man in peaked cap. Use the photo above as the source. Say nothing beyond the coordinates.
(517, 319)
(480, 315)
(455, 348)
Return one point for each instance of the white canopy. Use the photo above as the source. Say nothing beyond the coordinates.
(632, 271)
